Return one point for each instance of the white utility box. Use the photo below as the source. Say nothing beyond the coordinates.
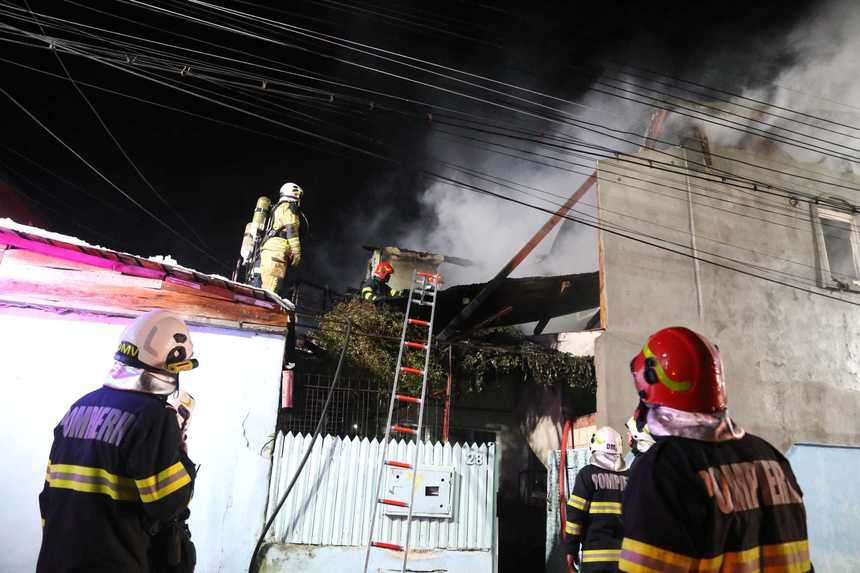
(434, 491)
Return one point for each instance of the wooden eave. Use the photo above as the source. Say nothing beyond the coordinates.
(33, 279)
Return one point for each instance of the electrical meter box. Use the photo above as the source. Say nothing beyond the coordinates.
(434, 491)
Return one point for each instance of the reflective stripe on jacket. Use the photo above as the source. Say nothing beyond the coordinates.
(116, 470)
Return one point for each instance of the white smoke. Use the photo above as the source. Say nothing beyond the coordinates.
(821, 84)
(489, 230)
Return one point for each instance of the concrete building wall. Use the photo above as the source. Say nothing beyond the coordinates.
(47, 361)
(792, 358)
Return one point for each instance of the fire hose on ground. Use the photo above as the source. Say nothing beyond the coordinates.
(253, 565)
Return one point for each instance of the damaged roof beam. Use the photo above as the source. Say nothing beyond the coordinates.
(455, 324)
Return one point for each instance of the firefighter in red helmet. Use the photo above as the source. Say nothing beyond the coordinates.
(377, 286)
(706, 496)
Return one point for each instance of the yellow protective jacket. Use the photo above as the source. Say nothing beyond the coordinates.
(285, 232)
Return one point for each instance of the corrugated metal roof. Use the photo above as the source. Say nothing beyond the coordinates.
(24, 237)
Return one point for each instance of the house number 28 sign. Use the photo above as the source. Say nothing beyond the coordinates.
(475, 459)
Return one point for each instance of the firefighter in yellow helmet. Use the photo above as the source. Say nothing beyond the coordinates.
(282, 246)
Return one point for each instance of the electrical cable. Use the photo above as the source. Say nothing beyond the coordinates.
(349, 44)
(790, 174)
(59, 177)
(113, 138)
(177, 110)
(716, 155)
(626, 66)
(253, 566)
(487, 101)
(479, 190)
(753, 266)
(466, 186)
(108, 181)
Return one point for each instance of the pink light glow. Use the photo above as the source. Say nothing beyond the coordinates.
(79, 257)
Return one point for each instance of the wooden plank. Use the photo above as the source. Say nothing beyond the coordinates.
(456, 323)
(131, 300)
(44, 269)
(30, 265)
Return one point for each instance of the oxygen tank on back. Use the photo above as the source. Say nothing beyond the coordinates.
(255, 229)
(255, 232)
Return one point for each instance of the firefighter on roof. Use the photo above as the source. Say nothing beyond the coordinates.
(119, 481)
(378, 287)
(282, 246)
(594, 507)
(706, 496)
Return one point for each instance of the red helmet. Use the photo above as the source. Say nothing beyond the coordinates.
(680, 369)
(383, 270)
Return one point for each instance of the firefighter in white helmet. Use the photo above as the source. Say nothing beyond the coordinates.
(594, 508)
(119, 481)
(282, 246)
(639, 438)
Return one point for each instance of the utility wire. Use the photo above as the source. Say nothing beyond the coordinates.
(717, 155)
(585, 125)
(108, 181)
(800, 278)
(461, 184)
(112, 137)
(488, 146)
(377, 52)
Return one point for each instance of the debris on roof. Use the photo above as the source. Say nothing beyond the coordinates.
(394, 253)
(521, 300)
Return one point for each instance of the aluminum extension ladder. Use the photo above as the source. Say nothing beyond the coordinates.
(422, 297)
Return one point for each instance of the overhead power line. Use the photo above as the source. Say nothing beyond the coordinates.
(113, 138)
(637, 135)
(109, 182)
(478, 189)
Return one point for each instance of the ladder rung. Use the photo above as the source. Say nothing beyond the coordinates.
(418, 322)
(427, 275)
(411, 344)
(396, 464)
(392, 546)
(404, 398)
(416, 371)
(394, 502)
(404, 430)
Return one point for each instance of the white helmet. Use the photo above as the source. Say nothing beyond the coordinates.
(606, 440)
(639, 440)
(291, 192)
(157, 341)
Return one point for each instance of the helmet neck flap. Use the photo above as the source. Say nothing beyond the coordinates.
(716, 427)
(124, 377)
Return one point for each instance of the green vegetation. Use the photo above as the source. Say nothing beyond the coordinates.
(478, 361)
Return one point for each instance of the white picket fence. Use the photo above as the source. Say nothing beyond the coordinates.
(333, 498)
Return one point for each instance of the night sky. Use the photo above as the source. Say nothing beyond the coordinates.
(211, 174)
